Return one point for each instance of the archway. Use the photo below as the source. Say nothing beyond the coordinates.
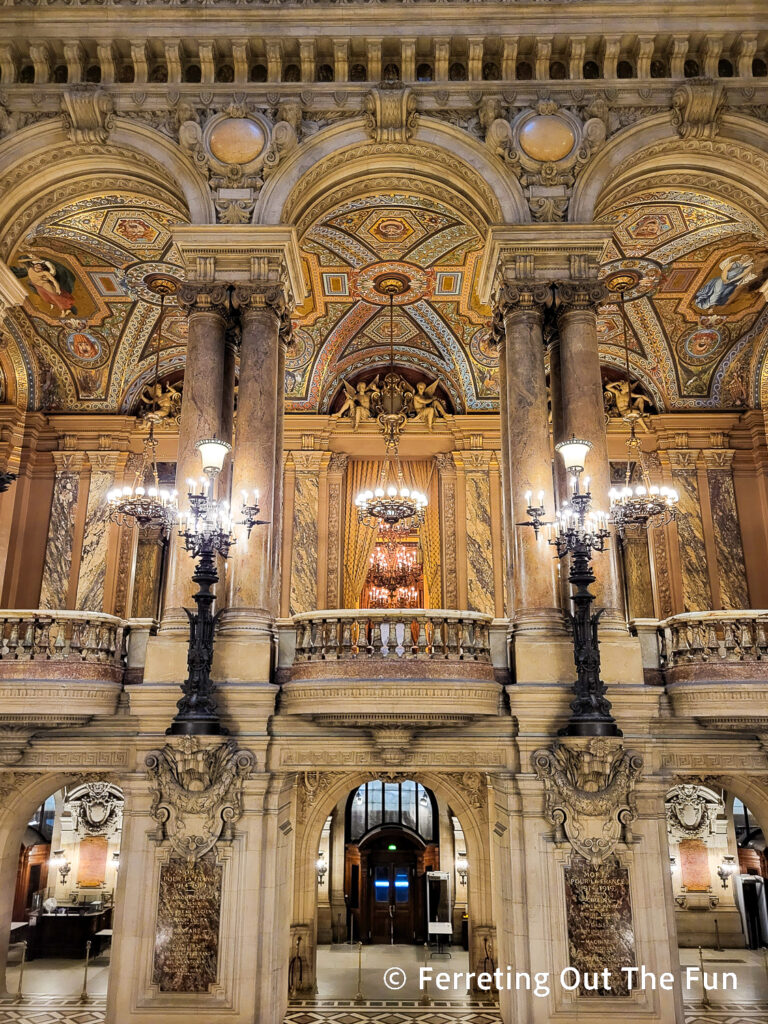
(60, 867)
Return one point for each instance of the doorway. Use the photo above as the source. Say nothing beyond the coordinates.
(392, 893)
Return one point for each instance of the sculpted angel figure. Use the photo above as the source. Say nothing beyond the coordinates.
(630, 404)
(164, 402)
(359, 402)
(426, 405)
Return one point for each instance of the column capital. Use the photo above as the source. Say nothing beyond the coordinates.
(523, 297)
(718, 458)
(579, 295)
(338, 462)
(204, 297)
(68, 461)
(680, 459)
(243, 254)
(545, 253)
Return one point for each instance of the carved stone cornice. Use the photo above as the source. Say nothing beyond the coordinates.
(578, 296)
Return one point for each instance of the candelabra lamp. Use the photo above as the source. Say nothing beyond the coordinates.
(207, 532)
(579, 531)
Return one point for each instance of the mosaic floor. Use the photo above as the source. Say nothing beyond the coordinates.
(55, 1010)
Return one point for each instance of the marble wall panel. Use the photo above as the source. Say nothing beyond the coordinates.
(637, 571)
(480, 581)
(93, 563)
(697, 595)
(731, 570)
(58, 549)
(304, 548)
(147, 574)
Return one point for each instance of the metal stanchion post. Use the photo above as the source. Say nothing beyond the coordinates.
(359, 999)
(84, 997)
(425, 1000)
(19, 997)
(718, 943)
(704, 996)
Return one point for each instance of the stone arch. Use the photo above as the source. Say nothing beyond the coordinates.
(751, 792)
(472, 809)
(437, 152)
(21, 794)
(736, 157)
(45, 155)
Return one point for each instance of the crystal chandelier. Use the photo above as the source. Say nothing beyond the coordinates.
(646, 504)
(145, 501)
(393, 567)
(390, 505)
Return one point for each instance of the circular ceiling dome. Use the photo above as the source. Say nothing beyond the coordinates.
(547, 137)
(236, 140)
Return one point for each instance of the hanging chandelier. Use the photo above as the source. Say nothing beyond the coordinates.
(394, 567)
(647, 504)
(145, 501)
(392, 504)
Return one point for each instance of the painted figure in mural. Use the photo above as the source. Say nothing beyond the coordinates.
(164, 402)
(426, 405)
(134, 230)
(359, 401)
(53, 282)
(718, 291)
(629, 404)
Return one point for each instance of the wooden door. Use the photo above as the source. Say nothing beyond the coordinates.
(392, 877)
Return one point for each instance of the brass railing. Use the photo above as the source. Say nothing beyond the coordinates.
(713, 637)
(438, 634)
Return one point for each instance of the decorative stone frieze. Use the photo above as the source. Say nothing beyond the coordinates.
(589, 793)
(197, 793)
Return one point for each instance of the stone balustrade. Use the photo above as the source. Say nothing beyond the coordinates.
(392, 633)
(714, 665)
(61, 636)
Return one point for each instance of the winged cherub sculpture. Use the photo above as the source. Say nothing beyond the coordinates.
(426, 405)
(359, 402)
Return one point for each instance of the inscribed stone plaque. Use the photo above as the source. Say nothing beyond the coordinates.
(92, 862)
(694, 865)
(187, 936)
(600, 929)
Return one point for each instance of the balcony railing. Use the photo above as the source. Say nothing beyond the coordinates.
(713, 638)
(353, 635)
(40, 635)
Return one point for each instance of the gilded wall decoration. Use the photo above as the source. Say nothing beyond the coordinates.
(197, 792)
(589, 790)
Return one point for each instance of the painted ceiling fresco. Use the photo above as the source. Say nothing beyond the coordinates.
(699, 318)
(85, 332)
(439, 327)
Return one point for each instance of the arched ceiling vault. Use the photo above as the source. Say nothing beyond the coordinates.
(699, 319)
(429, 234)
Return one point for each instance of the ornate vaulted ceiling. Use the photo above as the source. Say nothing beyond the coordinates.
(699, 319)
(85, 331)
(439, 327)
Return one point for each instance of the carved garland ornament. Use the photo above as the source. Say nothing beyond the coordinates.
(589, 793)
(197, 793)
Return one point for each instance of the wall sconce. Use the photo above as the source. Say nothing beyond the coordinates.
(672, 863)
(462, 867)
(322, 869)
(59, 861)
(116, 860)
(727, 868)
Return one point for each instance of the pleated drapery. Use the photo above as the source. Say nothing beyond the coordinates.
(359, 540)
(421, 476)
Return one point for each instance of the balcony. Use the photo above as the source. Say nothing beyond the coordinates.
(714, 665)
(62, 668)
(373, 667)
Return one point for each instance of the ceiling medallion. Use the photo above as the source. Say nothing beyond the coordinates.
(647, 504)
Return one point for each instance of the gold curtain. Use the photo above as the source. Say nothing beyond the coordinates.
(422, 475)
(359, 540)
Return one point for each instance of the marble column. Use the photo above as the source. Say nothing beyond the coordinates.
(59, 548)
(252, 595)
(559, 474)
(448, 529)
(506, 499)
(584, 417)
(535, 603)
(731, 569)
(306, 532)
(201, 417)
(331, 595)
(692, 546)
(93, 561)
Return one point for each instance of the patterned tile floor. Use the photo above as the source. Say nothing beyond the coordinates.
(55, 1010)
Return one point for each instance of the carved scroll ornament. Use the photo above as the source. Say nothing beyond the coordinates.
(589, 793)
